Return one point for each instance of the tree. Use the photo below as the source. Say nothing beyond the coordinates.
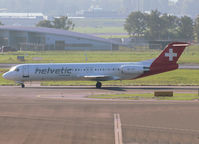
(157, 26)
(169, 27)
(154, 24)
(196, 28)
(186, 28)
(63, 23)
(59, 23)
(45, 23)
(135, 24)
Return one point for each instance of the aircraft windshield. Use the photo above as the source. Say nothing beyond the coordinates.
(14, 69)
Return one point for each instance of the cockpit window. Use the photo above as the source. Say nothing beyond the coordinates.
(14, 69)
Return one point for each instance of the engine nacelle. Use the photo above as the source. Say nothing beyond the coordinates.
(133, 69)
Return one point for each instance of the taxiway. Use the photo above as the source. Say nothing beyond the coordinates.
(49, 115)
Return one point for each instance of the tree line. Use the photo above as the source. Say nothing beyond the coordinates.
(59, 23)
(157, 26)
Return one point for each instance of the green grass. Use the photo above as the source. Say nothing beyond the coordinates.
(77, 56)
(147, 96)
(100, 30)
(98, 23)
(190, 56)
(104, 31)
(177, 77)
(113, 36)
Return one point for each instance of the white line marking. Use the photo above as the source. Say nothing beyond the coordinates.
(117, 129)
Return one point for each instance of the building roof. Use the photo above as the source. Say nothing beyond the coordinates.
(56, 32)
(22, 15)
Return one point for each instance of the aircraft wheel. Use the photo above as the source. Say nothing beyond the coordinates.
(22, 85)
(98, 85)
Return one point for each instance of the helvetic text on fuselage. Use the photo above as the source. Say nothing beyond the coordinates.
(58, 71)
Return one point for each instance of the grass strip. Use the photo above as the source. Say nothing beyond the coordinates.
(124, 55)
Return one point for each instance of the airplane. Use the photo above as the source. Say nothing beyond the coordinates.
(166, 61)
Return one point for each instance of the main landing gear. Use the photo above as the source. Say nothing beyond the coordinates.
(98, 85)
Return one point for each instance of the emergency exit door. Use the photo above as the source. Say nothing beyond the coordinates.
(25, 71)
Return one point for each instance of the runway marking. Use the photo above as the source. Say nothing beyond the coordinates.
(117, 129)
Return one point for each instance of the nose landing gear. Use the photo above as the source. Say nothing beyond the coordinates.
(98, 85)
(22, 85)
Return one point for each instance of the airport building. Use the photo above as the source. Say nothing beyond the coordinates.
(37, 38)
(17, 19)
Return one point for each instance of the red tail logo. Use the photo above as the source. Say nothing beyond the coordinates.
(167, 60)
(171, 54)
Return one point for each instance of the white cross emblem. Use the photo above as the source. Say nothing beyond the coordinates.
(170, 54)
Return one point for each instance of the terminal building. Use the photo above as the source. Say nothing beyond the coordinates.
(37, 38)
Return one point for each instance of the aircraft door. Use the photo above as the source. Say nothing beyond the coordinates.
(25, 71)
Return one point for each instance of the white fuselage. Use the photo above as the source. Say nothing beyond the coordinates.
(166, 61)
(76, 71)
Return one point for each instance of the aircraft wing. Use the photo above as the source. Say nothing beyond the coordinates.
(100, 77)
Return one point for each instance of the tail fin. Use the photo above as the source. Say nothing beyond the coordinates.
(171, 54)
(167, 60)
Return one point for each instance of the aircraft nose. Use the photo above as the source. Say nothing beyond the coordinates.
(5, 75)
